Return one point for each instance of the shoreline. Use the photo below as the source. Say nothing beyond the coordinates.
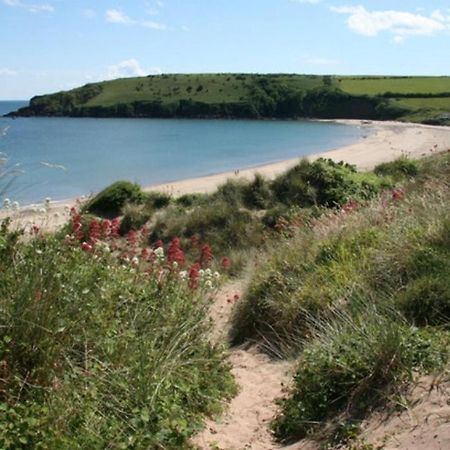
(386, 141)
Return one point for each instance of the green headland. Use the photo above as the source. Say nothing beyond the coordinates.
(416, 99)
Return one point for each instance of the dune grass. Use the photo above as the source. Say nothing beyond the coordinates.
(102, 346)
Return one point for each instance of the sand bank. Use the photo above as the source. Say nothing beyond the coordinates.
(385, 141)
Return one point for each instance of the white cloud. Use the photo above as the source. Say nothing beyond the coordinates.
(6, 71)
(153, 25)
(119, 17)
(116, 16)
(30, 7)
(400, 24)
(131, 68)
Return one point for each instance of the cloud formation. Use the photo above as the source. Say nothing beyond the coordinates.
(119, 17)
(30, 7)
(6, 71)
(400, 24)
(131, 68)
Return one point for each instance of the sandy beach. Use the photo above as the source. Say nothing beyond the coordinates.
(385, 141)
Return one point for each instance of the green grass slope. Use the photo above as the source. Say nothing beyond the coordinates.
(422, 99)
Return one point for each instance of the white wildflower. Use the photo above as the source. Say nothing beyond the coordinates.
(201, 272)
(135, 261)
(159, 252)
(208, 273)
(6, 203)
(183, 274)
(216, 275)
(15, 206)
(209, 284)
(175, 265)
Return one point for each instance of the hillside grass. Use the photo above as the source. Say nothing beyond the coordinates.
(361, 297)
(207, 88)
(405, 85)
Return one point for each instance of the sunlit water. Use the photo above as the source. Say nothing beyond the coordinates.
(66, 157)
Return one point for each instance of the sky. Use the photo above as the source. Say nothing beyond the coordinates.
(52, 45)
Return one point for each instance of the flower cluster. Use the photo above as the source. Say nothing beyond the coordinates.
(101, 237)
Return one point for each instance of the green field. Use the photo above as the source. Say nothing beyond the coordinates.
(256, 96)
(208, 88)
(403, 85)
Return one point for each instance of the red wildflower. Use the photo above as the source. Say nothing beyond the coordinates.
(95, 230)
(225, 263)
(206, 256)
(175, 253)
(35, 229)
(145, 254)
(115, 227)
(86, 247)
(159, 243)
(106, 227)
(194, 276)
(397, 194)
(132, 237)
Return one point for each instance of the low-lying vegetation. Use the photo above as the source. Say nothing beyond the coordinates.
(104, 341)
(361, 294)
(104, 329)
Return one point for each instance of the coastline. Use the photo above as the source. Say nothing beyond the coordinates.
(386, 141)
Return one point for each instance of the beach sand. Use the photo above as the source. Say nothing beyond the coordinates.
(385, 141)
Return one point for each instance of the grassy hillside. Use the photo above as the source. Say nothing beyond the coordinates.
(421, 99)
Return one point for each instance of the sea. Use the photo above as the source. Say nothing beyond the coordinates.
(62, 158)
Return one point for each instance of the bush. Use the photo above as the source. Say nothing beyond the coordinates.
(110, 201)
(134, 217)
(325, 183)
(157, 200)
(351, 365)
(222, 226)
(400, 168)
(257, 194)
(96, 353)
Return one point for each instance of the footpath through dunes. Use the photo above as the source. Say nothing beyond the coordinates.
(245, 423)
(421, 423)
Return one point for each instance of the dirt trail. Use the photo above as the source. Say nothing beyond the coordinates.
(245, 424)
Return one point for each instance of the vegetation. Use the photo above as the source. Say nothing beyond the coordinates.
(360, 295)
(103, 327)
(103, 343)
(111, 200)
(254, 96)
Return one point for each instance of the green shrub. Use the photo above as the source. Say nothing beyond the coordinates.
(351, 365)
(401, 167)
(134, 217)
(157, 200)
(111, 200)
(257, 194)
(188, 200)
(217, 223)
(426, 300)
(325, 183)
(95, 354)
(231, 192)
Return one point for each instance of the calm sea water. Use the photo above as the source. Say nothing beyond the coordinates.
(65, 157)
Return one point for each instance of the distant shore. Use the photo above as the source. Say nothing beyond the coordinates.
(385, 141)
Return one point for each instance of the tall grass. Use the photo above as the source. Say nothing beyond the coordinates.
(95, 353)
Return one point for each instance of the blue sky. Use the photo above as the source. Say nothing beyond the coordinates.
(51, 45)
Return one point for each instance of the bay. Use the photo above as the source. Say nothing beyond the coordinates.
(67, 157)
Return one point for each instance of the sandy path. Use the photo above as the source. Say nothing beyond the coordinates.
(245, 424)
